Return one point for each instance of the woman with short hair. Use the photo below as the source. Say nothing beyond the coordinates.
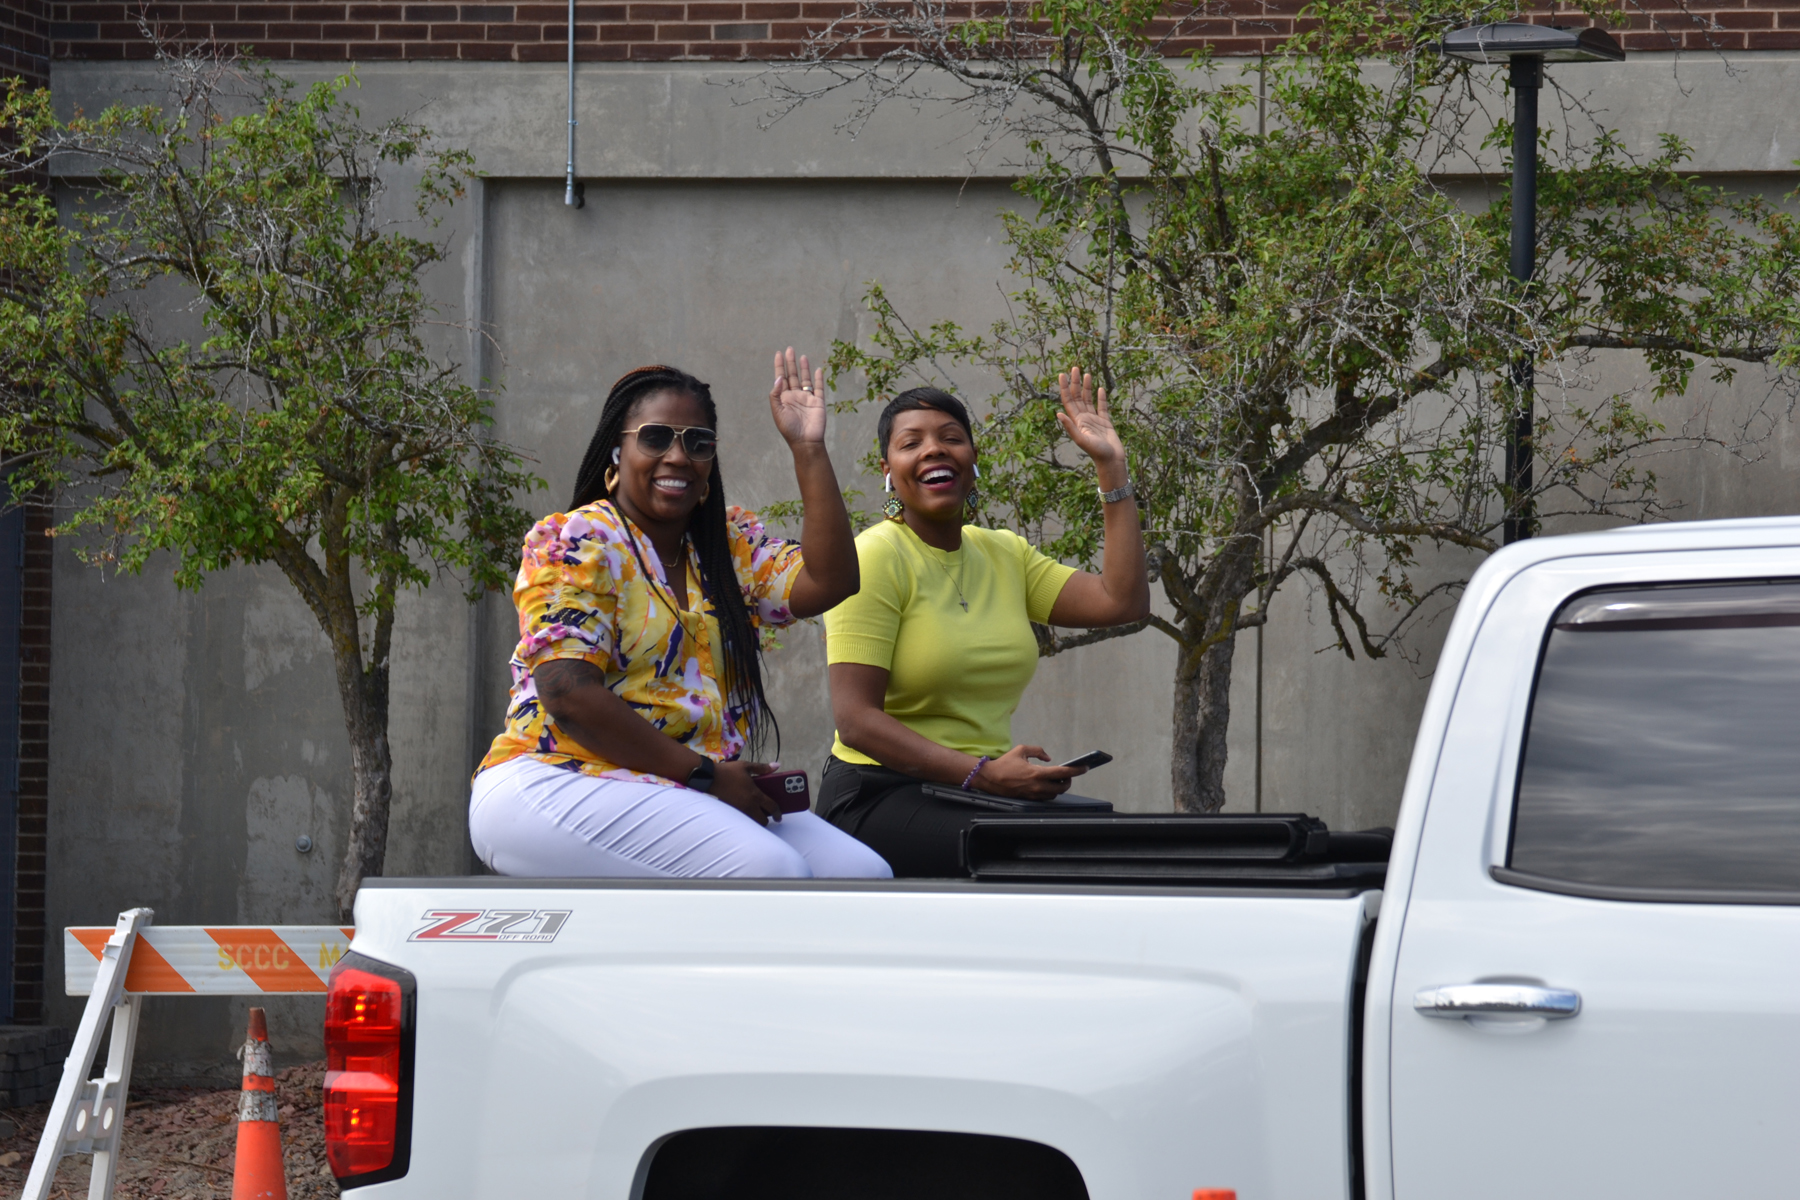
(929, 659)
(637, 681)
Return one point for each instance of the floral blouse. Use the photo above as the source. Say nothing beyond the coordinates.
(591, 587)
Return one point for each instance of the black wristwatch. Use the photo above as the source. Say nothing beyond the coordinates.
(701, 777)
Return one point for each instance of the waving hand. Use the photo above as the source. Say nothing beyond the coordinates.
(1086, 419)
(797, 399)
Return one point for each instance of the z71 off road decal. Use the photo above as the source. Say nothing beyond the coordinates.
(491, 925)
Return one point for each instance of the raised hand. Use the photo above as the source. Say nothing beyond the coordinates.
(797, 399)
(1086, 420)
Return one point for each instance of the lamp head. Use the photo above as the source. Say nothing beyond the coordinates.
(1505, 41)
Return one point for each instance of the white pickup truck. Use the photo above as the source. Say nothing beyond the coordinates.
(1581, 976)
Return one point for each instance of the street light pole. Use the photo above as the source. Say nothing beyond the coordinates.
(1525, 49)
(1527, 78)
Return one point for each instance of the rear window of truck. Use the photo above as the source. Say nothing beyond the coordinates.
(1662, 753)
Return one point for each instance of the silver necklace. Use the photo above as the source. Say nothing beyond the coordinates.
(955, 583)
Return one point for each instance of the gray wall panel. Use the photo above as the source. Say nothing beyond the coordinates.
(194, 736)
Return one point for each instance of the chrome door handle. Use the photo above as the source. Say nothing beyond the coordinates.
(1500, 999)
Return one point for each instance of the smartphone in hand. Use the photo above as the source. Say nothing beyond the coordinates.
(1093, 758)
(786, 788)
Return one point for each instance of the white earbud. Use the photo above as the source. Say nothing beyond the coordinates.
(978, 470)
(887, 483)
(615, 456)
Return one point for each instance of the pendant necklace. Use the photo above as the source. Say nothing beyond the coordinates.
(955, 583)
(644, 567)
(669, 571)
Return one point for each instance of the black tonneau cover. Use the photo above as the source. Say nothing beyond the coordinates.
(1209, 850)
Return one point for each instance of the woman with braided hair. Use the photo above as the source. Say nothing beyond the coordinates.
(637, 691)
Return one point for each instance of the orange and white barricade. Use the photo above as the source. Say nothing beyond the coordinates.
(114, 968)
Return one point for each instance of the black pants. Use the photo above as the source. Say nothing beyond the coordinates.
(919, 835)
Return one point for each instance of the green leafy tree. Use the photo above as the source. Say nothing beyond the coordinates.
(305, 422)
(1308, 341)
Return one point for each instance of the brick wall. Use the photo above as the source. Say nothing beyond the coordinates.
(1708, 25)
(31, 1065)
(25, 51)
(34, 769)
(751, 29)
(25, 39)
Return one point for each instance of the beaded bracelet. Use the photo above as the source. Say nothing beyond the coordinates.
(982, 762)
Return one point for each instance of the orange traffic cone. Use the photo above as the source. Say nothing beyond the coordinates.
(259, 1175)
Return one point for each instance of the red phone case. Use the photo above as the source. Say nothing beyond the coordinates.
(786, 788)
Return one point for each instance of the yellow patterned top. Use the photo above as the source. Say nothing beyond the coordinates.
(591, 587)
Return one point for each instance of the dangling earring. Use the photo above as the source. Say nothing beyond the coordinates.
(612, 473)
(891, 510)
(973, 500)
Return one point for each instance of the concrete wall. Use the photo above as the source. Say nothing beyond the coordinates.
(195, 736)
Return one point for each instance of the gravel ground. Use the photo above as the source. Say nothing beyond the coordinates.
(179, 1144)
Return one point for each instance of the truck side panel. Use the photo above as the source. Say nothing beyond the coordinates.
(1668, 1079)
(1164, 1041)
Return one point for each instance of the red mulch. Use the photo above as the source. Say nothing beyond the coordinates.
(179, 1144)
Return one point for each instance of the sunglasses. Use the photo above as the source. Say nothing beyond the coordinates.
(700, 444)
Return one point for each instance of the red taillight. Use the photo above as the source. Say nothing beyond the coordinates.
(364, 1025)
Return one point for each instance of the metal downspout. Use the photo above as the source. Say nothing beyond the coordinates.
(573, 195)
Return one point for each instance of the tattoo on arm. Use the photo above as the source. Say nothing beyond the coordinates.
(563, 677)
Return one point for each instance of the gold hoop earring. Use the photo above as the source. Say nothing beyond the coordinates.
(612, 479)
(705, 491)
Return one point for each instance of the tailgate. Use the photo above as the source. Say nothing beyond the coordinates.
(1164, 1040)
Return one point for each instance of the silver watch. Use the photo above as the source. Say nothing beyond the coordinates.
(1124, 491)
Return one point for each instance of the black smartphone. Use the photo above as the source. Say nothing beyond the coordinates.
(1093, 758)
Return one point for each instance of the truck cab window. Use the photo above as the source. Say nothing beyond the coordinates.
(1662, 751)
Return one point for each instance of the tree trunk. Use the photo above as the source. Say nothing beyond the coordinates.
(1202, 718)
(372, 768)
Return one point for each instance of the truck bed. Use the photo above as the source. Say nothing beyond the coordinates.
(1163, 1039)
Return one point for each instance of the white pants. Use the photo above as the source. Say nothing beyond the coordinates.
(528, 818)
